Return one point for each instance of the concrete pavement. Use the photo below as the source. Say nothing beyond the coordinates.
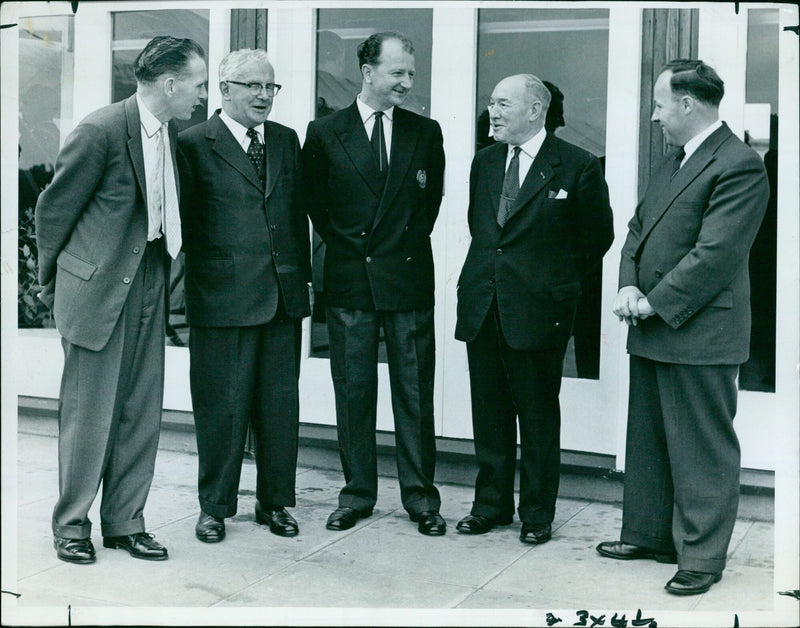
(381, 571)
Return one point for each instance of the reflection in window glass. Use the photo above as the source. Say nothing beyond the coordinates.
(567, 48)
(761, 132)
(131, 30)
(339, 32)
(46, 62)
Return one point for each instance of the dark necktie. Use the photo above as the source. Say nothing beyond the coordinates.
(510, 188)
(676, 164)
(256, 153)
(378, 142)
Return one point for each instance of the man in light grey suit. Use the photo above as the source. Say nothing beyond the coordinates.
(106, 228)
(684, 291)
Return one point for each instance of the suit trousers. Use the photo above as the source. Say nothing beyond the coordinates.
(410, 347)
(109, 413)
(240, 377)
(682, 461)
(507, 384)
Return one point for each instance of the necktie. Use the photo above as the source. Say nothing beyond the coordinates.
(510, 188)
(676, 164)
(379, 142)
(170, 215)
(256, 153)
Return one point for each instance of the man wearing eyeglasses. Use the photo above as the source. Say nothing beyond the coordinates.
(246, 240)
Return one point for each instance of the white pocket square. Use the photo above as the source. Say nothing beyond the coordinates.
(561, 194)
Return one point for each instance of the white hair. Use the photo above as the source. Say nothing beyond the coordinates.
(233, 61)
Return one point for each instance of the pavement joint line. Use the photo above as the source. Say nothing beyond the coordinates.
(732, 551)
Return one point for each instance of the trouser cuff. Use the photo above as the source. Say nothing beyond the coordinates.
(356, 503)
(220, 511)
(662, 545)
(706, 565)
(422, 504)
(123, 528)
(82, 531)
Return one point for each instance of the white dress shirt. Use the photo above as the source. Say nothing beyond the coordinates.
(368, 118)
(694, 143)
(239, 131)
(150, 126)
(528, 153)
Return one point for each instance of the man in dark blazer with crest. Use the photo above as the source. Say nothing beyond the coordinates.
(684, 291)
(375, 174)
(106, 228)
(247, 245)
(540, 218)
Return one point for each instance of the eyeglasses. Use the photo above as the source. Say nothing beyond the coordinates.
(255, 88)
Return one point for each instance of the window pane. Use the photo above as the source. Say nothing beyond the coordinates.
(131, 30)
(761, 132)
(569, 49)
(46, 62)
(130, 33)
(339, 32)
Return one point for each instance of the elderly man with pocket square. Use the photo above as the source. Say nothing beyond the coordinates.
(540, 218)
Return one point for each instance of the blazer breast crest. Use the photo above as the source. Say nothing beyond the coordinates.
(422, 178)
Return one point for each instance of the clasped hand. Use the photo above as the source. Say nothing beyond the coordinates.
(631, 305)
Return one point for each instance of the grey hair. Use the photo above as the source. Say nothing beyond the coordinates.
(233, 61)
(537, 90)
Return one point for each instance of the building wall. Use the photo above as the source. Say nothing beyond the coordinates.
(469, 50)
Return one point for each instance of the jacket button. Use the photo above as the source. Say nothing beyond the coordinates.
(499, 251)
(491, 280)
(136, 250)
(273, 227)
(363, 234)
(408, 259)
(126, 280)
(369, 260)
(275, 253)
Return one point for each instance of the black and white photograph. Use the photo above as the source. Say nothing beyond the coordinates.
(423, 313)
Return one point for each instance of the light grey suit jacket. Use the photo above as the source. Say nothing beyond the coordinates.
(91, 223)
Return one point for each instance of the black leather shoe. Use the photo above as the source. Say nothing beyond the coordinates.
(535, 533)
(344, 518)
(209, 529)
(478, 524)
(78, 551)
(279, 521)
(139, 545)
(430, 523)
(687, 582)
(626, 551)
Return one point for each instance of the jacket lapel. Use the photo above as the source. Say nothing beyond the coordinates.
(357, 147)
(496, 165)
(668, 190)
(274, 157)
(135, 143)
(405, 136)
(226, 146)
(540, 172)
(173, 147)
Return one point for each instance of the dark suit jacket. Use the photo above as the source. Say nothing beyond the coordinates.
(378, 238)
(534, 264)
(91, 223)
(243, 241)
(687, 250)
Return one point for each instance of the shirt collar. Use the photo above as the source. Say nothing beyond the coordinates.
(366, 111)
(238, 130)
(149, 122)
(694, 143)
(533, 145)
